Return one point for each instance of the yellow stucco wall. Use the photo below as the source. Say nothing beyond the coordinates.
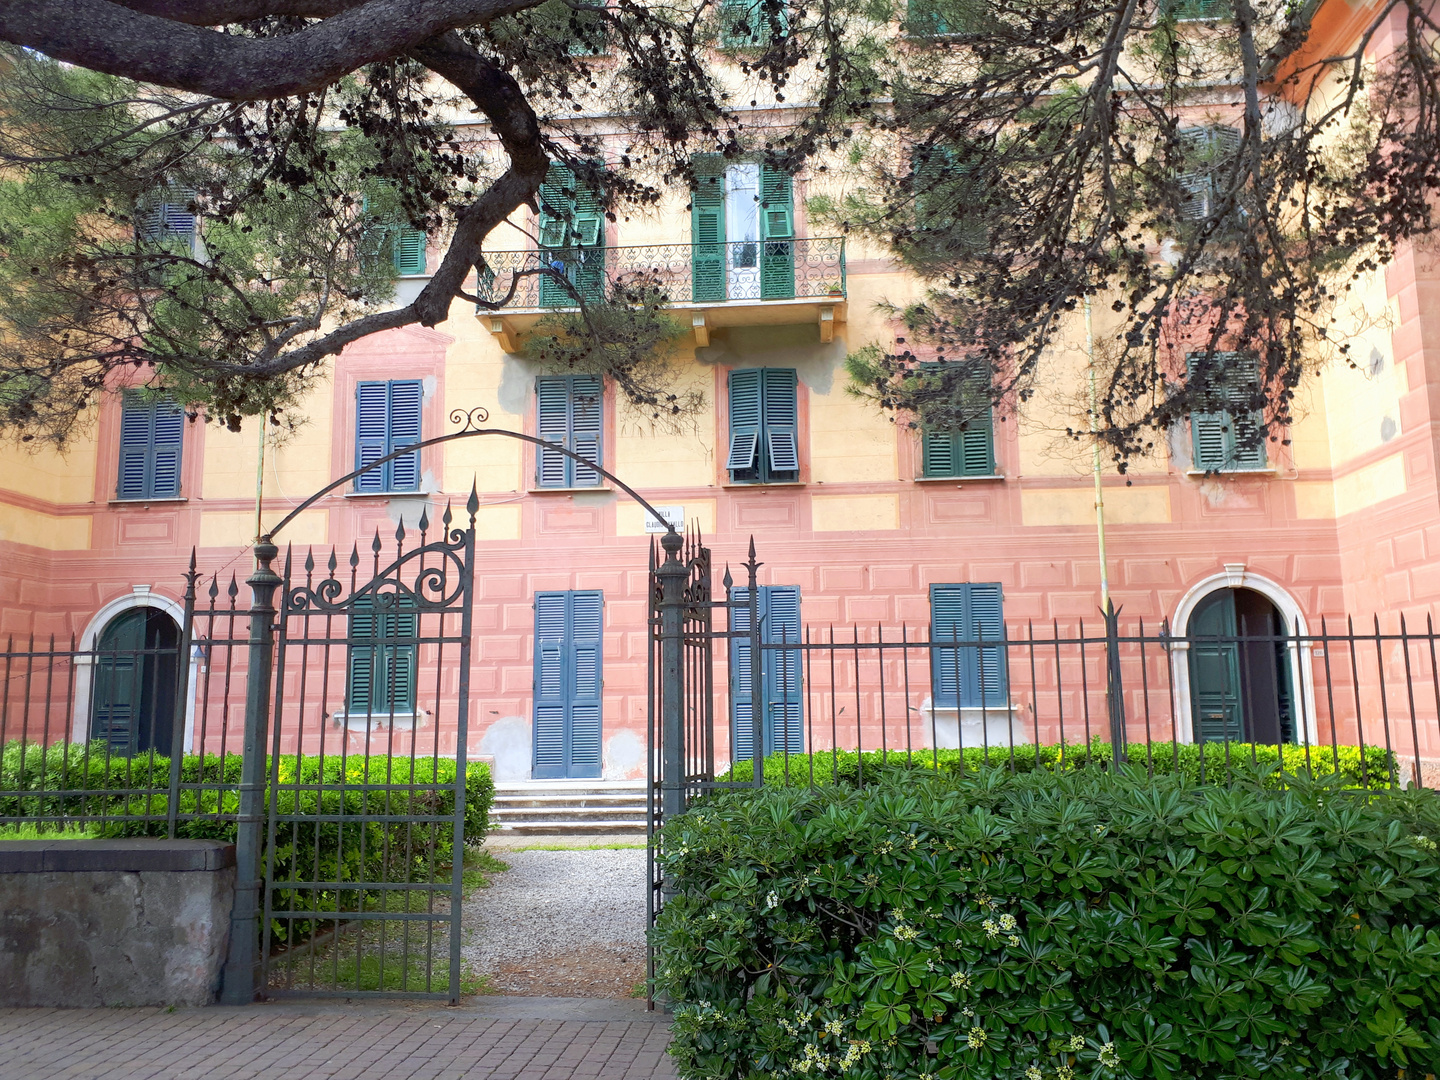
(1381, 480)
(1076, 505)
(21, 525)
(854, 513)
(58, 477)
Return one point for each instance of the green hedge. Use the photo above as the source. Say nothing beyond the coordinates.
(377, 851)
(1052, 926)
(1210, 761)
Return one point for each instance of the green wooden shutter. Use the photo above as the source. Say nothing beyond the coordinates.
(408, 250)
(707, 230)
(117, 697)
(780, 420)
(406, 399)
(987, 623)
(967, 675)
(381, 669)
(1242, 377)
(588, 232)
(744, 24)
(742, 461)
(777, 230)
(939, 453)
(557, 211)
(1219, 435)
(1215, 697)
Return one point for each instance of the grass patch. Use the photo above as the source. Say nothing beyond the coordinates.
(478, 864)
(49, 832)
(368, 973)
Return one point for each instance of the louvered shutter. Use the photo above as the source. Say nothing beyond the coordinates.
(551, 616)
(777, 226)
(780, 421)
(406, 396)
(1220, 435)
(137, 418)
(923, 18)
(938, 449)
(585, 704)
(372, 423)
(741, 23)
(929, 168)
(707, 230)
(745, 422)
(557, 211)
(588, 233)
(970, 612)
(977, 446)
(408, 250)
(586, 417)
(552, 403)
(402, 628)
(568, 684)
(363, 660)
(1241, 381)
(742, 707)
(1210, 150)
(167, 434)
(784, 713)
(168, 217)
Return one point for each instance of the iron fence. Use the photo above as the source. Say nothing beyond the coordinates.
(680, 273)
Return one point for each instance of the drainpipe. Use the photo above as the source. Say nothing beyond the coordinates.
(260, 470)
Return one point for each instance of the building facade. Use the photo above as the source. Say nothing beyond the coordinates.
(862, 525)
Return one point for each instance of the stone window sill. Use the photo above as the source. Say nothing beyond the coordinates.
(958, 479)
(604, 488)
(147, 502)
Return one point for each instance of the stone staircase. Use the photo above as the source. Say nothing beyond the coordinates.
(570, 807)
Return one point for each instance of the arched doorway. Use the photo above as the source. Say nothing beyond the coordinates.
(1242, 687)
(132, 707)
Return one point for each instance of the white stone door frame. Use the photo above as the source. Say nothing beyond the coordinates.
(140, 596)
(1235, 576)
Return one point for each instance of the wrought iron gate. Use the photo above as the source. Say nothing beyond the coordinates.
(366, 814)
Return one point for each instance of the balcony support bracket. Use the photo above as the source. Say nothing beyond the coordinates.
(702, 332)
(504, 334)
(827, 324)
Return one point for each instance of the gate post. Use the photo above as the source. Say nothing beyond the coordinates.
(672, 575)
(1114, 690)
(182, 701)
(238, 978)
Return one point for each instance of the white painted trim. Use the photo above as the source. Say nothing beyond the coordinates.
(140, 596)
(1236, 577)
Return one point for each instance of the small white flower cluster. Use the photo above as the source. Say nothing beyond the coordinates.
(1033, 1073)
(976, 1038)
(1108, 1057)
(905, 932)
(772, 901)
(1077, 1042)
(960, 981)
(1423, 842)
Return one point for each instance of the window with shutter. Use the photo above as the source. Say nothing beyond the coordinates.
(764, 432)
(777, 222)
(570, 411)
(167, 216)
(749, 24)
(707, 229)
(408, 250)
(572, 238)
(968, 450)
(781, 684)
(568, 684)
(387, 419)
(968, 673)
(1227, 430)
(1197, 10)
(1208, 153)
(383, 656)
(152, 431)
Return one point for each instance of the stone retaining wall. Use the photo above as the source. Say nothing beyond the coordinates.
(113, 922)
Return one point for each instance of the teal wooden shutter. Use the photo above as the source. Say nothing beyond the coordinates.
(406, 396)
(777, 230)
(967, 675)
(557, 211)
(707, 230)
(116, 700)
(383, 657)
(408, 250)
(783, 712)
(151, 444)
(1242, 379)
(1215, 697)
(1227, 437)
(970, 450)
(923, 18)
(780, 421)
(742, 461)
(586, 417)
(372, 426)
(568, 684)
(939, 456)
(588, 231)
(552, 405)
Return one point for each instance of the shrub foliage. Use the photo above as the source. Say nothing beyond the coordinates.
(1054, 926)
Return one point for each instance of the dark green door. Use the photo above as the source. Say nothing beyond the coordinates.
(1215, 691)
(132, 706)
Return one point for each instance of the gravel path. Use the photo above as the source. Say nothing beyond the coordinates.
(560, 924)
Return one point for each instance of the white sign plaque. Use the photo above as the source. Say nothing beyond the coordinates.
(675, 515)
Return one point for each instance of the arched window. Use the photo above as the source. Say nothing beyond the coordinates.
(1242, 687)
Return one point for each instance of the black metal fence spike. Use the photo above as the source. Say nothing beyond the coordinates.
(424, 520)
(309, 561)
(354, 556)
(400, 530)
(447, 517)
(214, 588)
(375, 544)
(234, 589)
(472, 504)
(334, 562)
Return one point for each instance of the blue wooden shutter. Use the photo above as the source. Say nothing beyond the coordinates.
(780, 423)
(586, 418)
(707, 229)
(742, 461)
(408, 250)
(552, 409)
(587, 609)
(784, 708)
(551, 618)
(168, 217)
(969, 612)
(167, 434)
(777, 228)
(372, 426)
(136, 420)
(568, 684)
(406, 398)
(742, 702)
(151, 444)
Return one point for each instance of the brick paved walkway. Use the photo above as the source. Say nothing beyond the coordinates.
(495, 1039)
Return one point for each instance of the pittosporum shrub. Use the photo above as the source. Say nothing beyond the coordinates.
(1054, 926)
(1214, 761)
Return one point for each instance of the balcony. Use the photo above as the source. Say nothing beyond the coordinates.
(760, 283)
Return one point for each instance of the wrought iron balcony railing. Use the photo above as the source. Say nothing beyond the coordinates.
(682, 273)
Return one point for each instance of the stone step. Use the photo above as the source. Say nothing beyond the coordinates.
(577, 801)
(568, 813)
(578, 828)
